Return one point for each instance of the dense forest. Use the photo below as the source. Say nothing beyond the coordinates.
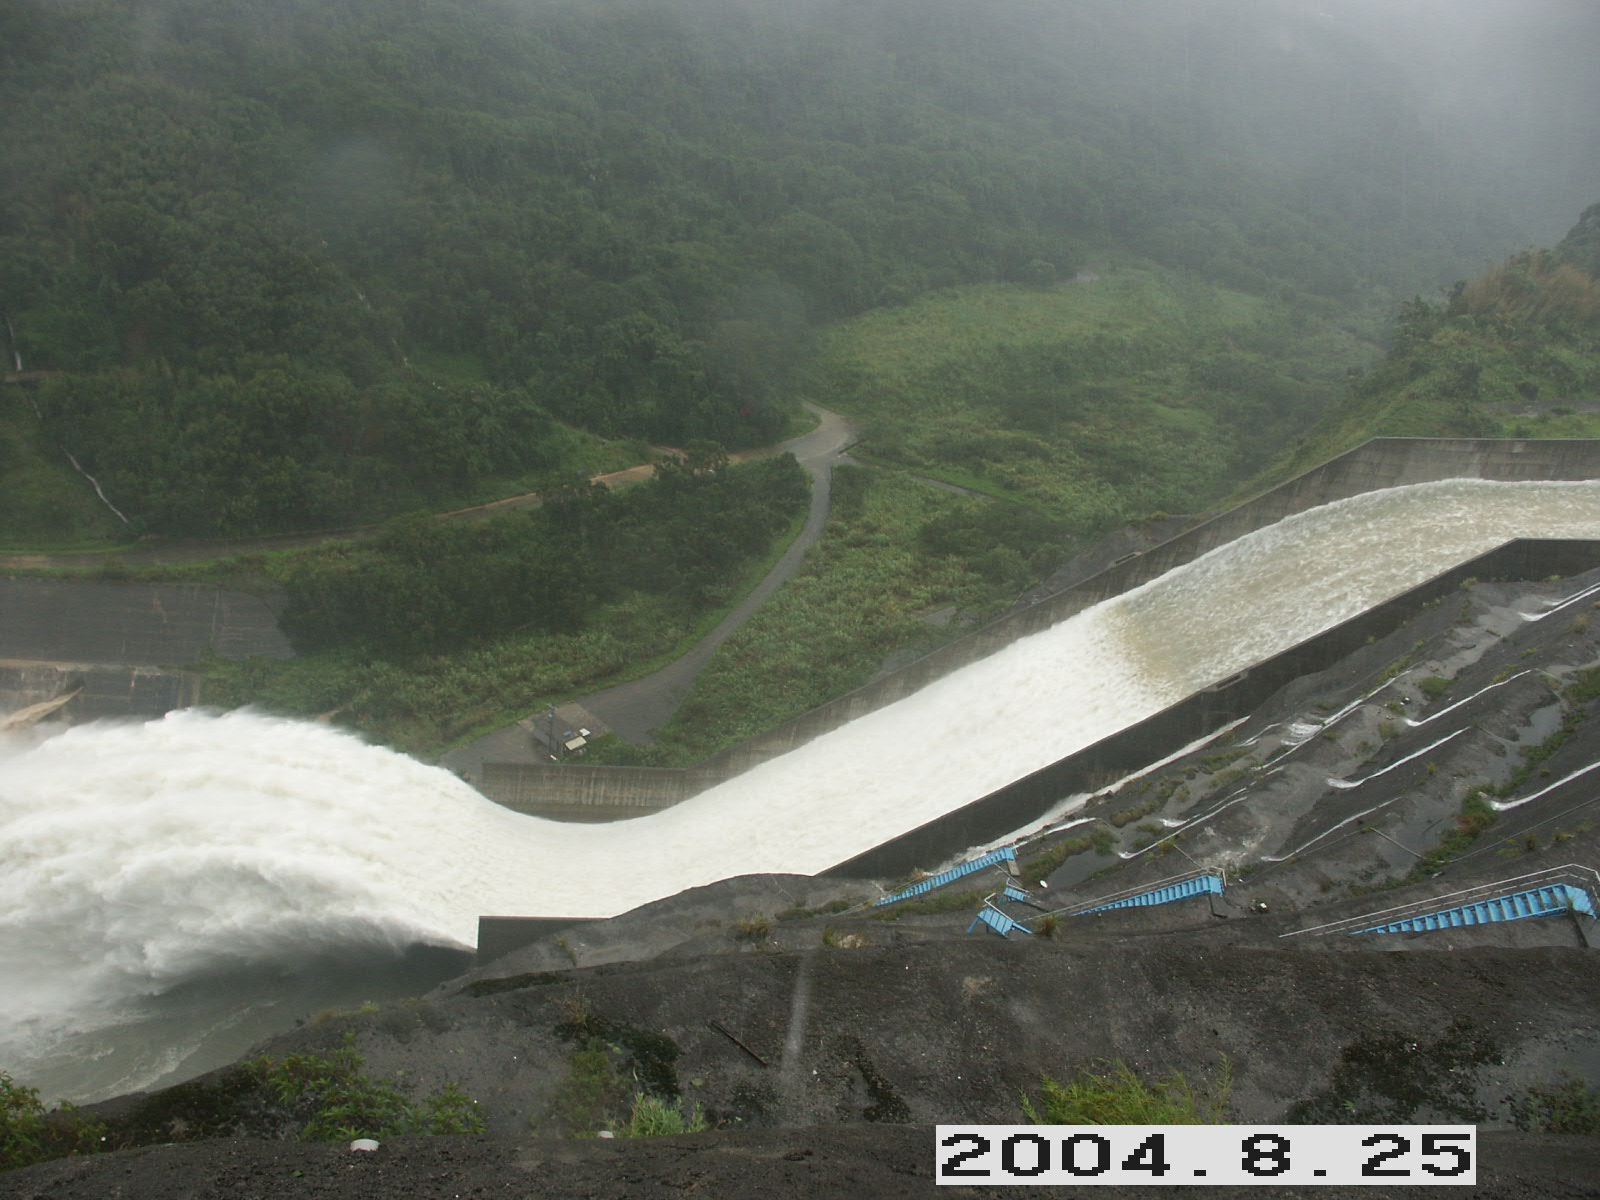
(290, 264)
(430, 587)
(308, 265)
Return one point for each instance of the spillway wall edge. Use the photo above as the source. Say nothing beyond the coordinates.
(1017, 804)
(559, 791)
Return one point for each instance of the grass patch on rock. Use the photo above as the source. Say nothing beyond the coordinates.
(1113, 1094)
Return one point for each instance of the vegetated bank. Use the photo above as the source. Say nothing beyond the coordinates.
(434, 628)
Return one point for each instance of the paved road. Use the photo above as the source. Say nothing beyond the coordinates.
(636, 709)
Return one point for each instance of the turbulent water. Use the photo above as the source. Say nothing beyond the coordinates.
(166, 877)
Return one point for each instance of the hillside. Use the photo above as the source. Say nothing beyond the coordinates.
(296, 265)
(1513, 353)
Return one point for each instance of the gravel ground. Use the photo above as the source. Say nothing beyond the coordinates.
(849, 1162)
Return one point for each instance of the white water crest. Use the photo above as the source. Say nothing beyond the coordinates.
(136, 858)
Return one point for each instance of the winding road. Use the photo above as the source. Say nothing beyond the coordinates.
(634, 710)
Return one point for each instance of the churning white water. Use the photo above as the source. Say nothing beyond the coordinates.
(136, 859)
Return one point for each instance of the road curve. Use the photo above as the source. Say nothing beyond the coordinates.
(183, 551)
(634, 710)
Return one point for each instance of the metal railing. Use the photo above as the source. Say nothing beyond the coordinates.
(1073, 910)
(1576, 874)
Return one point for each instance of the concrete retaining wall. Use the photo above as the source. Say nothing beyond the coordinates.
(1380, 463)
(104, 692)
(52, 620)
(583, 793)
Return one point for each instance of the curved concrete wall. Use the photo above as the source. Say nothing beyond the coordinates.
(1380, 463)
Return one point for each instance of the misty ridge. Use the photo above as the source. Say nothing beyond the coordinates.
(306, 264)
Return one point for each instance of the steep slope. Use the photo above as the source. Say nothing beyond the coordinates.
(295, 265)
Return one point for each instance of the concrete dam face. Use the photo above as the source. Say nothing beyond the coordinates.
(143, 858)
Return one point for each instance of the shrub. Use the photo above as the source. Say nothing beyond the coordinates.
(330, 1100)
(831, 937)
(29, 1133)
(1434, 686)
(754, 928)
(1054, 855)
(652, 1116)
(586, 1099)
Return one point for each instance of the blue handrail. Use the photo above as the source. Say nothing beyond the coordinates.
(967, 868)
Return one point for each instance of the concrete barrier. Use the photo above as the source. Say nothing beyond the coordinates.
(103, 692)
(1380, 463)
(133, 624)
(585, 793)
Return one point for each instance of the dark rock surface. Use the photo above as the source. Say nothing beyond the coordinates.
(848, 1162)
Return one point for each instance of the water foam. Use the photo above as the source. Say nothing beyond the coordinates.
(139, 856)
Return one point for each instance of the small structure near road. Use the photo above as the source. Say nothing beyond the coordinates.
(564, 730)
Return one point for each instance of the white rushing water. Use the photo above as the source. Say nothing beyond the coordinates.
(136, 857)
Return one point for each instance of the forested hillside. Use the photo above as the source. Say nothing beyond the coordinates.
(1512, 353)
(297, 264)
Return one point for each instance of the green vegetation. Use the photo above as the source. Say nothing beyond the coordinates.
(329, 1099)
(434, 631)
(296, 266)
(322, 268)
(1477, 815)
(941, 900)
(1097, 402)
(30, 1133)
(865, 592)
(1567, 1106)
(1052, 856)
(1434, 687)
(1500, 356)
(302, 1096)
(620, 1078)
(756, 927)
(428, 587)
(1112, 1094)
(591, 1092)
(651, 1116)
(1575, 698)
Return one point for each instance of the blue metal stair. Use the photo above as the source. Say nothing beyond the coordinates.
(990, 859)
(1548, 901)
(1198, 885)
(997, 921)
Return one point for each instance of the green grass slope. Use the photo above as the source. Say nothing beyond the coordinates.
(1128, 391)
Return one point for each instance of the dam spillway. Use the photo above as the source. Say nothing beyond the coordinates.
(141, 856)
